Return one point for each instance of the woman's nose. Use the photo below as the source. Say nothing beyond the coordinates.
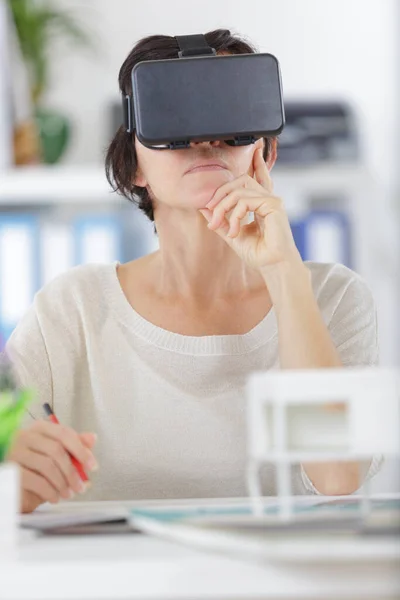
(212, 143)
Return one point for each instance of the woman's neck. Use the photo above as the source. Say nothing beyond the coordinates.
(198, 264)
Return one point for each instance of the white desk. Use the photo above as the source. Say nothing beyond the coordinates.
(137, 566)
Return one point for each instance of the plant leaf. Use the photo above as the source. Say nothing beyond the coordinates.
(38, 25)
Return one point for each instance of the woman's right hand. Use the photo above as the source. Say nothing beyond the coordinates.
(46, 471)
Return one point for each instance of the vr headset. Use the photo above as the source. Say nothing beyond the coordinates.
(203, 97)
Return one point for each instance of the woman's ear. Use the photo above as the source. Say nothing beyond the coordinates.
(139, 180)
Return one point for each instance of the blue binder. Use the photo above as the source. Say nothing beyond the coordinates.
(328, 237)
(98, 238)
(57, 249)
(298, 231)
(19, 268)
(324, 236)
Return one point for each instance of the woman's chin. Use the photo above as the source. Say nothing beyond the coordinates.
(201, 194)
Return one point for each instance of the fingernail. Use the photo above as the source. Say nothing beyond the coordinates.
(92, 465)
(85, 486)
(70, 494)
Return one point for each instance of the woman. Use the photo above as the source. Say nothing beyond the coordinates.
(153, 355)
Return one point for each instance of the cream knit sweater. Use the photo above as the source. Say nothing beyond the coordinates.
(169, 410)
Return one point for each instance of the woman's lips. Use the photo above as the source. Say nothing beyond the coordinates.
(207, 168)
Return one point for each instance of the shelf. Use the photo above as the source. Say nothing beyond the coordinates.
(33, 185)
(66, 184)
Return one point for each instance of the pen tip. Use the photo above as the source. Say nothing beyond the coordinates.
(47, 409)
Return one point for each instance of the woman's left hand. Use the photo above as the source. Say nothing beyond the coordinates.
(265, 242)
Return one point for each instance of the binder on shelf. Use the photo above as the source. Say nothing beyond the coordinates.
(323, 236)
(19, 273)
(298, 232)
(98, 239)
(57, 250)
(327, 237)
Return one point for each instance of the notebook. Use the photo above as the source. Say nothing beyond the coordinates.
(78, 522)
(320, 528)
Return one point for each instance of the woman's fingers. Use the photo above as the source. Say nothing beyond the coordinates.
(29, 501)
(228, 203)
(240, 205)
(45, 466)
(261, 171)
(44, 452)
(88, 438)
(245, 182)
(261, 183)
(223, 227)
(207, 214)
(239, 212)
(39, 485)
(70, 440)
(54, 449)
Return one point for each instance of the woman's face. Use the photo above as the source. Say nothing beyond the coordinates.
(189, 178)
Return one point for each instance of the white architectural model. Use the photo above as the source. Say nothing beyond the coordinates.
(299, 416)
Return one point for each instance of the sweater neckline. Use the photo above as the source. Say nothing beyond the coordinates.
(231, 344)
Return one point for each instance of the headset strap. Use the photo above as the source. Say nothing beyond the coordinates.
(193, 45)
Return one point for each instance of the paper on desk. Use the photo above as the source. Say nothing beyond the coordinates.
(225, 513)
(304, 508)
(47, 519)
(321, 526)
(321, 516)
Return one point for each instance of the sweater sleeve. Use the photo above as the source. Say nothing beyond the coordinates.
(353, 326)
(27, 352)
(353, 329)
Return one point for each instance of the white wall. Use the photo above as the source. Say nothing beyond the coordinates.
(327, 48)
(343, 48)
(332, 48)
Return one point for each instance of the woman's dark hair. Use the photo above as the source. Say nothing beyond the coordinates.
(121, 159)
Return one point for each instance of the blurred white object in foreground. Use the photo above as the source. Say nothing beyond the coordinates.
(9, 508)
(292, 418)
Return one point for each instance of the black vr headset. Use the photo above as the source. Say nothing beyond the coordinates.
(203, 97)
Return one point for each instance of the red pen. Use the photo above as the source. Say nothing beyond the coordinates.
(74, 461)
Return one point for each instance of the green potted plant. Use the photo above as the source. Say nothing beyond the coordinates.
(13, 404)
(39, 24)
